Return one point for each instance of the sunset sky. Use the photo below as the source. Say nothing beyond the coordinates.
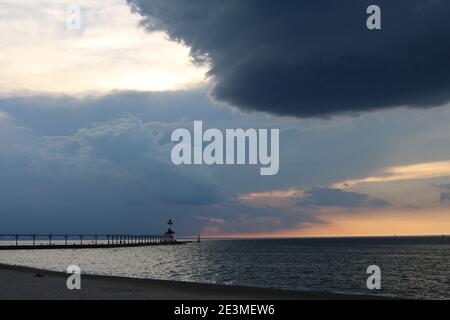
(86, 117)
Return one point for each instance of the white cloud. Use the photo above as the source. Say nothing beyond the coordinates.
(427, 170)
(110, 52)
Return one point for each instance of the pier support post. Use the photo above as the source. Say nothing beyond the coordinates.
(50, 239)
(34, 239)
(17, 239)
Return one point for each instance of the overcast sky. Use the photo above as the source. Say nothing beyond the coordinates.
(86, 116)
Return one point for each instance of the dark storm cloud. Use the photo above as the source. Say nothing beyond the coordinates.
(115, 174)
(445, 197)
(329, 197)
(313, 58)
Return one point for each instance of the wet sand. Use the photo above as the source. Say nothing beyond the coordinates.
(18, 282)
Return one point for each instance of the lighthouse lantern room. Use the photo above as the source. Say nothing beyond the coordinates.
(169, 235)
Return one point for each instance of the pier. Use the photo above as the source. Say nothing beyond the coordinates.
(79, 241)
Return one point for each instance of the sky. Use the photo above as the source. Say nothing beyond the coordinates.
(86, 117)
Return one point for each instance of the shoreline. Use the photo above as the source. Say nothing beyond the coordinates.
(87, 246)
(27, 283)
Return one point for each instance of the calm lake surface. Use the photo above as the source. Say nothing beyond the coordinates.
(417, 267)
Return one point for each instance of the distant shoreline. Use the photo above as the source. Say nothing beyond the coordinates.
(26, 283)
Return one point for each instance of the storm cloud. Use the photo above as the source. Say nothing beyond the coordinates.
(313, 58)
(112, 174)
(445, 197)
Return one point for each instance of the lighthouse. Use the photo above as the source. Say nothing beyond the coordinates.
(169, 235)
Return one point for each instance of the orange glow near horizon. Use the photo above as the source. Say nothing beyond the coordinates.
(386, 223)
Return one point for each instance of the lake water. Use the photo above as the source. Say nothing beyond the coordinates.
(416, 267)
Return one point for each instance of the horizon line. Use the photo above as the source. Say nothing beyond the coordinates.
(314, 237)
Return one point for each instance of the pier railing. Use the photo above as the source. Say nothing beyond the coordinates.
(39, 241)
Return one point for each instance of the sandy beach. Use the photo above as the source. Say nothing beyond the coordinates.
(28, 283)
